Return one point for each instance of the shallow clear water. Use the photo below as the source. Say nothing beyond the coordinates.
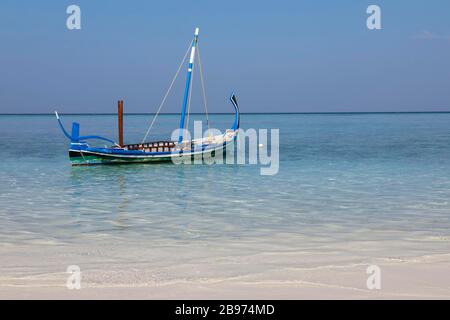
(343, 179)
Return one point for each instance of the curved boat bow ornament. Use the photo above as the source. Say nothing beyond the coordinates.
(75, 136)
(233, 100)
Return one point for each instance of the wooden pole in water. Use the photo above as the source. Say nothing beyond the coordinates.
(120, 120)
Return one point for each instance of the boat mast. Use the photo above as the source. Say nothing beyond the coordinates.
(120, 121)
(188, 85)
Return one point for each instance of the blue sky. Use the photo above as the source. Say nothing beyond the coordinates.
(279, 56)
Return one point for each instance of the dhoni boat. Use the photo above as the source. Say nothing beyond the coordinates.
(81, 153)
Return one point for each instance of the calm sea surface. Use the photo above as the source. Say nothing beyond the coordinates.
(379, 179)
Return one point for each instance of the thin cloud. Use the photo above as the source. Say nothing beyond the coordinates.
(427, 35)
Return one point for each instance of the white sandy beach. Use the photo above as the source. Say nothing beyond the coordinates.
(202, 274)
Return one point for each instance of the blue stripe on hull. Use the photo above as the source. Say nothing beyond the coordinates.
(88, 155)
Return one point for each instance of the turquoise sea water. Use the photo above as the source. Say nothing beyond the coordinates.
(343, 179)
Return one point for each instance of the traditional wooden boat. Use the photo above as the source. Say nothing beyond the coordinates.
(81, 153)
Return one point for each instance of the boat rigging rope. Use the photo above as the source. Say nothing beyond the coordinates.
(203, 85)
(167, 93)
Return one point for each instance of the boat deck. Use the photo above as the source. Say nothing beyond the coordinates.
(158, 146)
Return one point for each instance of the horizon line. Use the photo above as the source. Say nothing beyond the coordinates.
(221, 113)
